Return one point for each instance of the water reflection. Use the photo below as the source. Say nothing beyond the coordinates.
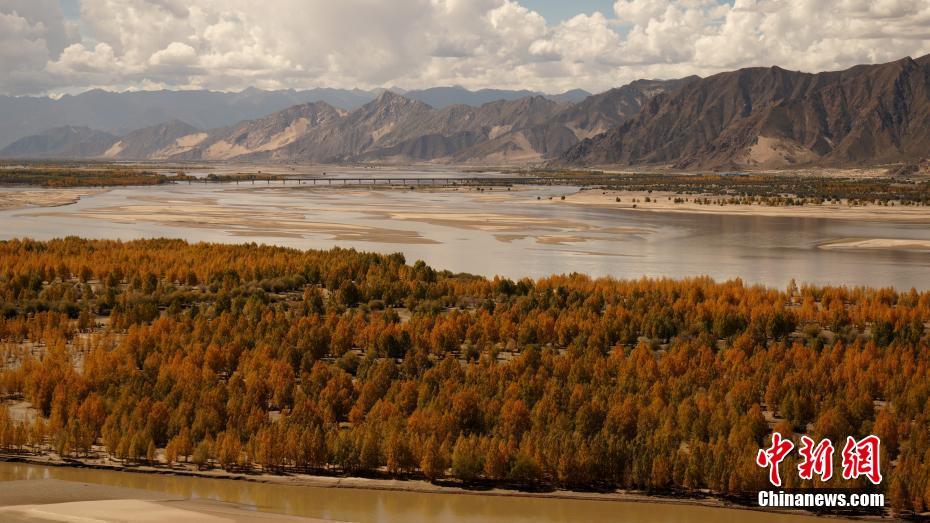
(376, 506)
(518, 233)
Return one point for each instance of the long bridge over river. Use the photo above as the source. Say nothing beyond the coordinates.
(409, 181)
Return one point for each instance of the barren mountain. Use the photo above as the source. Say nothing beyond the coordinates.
(573, 122)
(61, 142)
(601, 112)
(774, 117)
(118, 113)
(448, 133)
(393, 127)
(262, 138)
(158, 141)
(440, 97)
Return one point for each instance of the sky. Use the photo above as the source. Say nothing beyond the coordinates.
(68, 46)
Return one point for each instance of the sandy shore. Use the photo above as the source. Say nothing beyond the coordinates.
(705, 499)
(877, 243)
(298, 212)
(19, 199)
(665, 202)
(284, 221)
(57, 500)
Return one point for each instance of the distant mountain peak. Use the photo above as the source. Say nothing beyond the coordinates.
(773, 117)
(61, 142)
(511, 126)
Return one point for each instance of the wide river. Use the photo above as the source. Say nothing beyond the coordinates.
(526, 231)
(377, 506)
(516, 233)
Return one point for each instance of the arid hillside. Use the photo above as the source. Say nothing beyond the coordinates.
(773, 117)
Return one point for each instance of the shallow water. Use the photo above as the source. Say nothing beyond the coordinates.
(511, 233)
(376, 506)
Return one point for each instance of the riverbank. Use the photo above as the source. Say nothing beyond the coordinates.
(662, 201)
(58, 500)
(698, 499)
(20, 199)
(877, 243)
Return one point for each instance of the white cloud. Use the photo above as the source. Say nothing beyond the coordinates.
(232, 44)
(177, 53)
(31, 32)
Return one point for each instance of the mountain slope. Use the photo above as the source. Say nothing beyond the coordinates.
(393, 128)
(261, 138)
(440, 97)
(121, 112)
(774, 117)
(601, 112)
(157, 141)
(571, 123)
(61, 142)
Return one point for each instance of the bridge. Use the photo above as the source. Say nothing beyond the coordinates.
(417, 181)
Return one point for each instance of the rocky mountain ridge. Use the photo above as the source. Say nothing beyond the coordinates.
(392, 127)
(772, 117)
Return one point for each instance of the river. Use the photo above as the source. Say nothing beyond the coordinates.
(527, 231)
(377, 506)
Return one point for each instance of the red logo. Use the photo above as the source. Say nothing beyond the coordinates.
(817, 459)
(861, 458)
(774, 455)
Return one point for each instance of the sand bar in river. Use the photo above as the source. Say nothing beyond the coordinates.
(57, 500)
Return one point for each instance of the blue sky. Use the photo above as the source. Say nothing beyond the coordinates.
(553, 10)
(70, 8)
(556, 11)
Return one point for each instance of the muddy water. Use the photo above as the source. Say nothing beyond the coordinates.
(370, 506)
(512, 233)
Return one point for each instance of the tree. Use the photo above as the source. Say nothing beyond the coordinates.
(433, 463)
(202, 453)
(467, 458)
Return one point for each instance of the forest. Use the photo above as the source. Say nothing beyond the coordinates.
(255, 358)
(81, 176)
(747, 188)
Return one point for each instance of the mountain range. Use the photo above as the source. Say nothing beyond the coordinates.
(391, 127)
(120, 112)
(868, 114)
(765, 117)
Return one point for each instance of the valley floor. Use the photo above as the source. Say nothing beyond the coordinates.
(19, 199)
(661, 201)
(97, 501)
(57, 500)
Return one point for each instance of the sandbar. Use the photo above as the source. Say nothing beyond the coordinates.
(58, 500)
(16, 199)
(664, 201)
